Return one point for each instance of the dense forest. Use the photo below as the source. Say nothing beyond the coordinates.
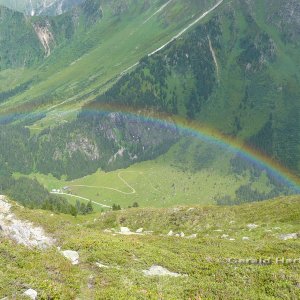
(30, 193)
(93, 141)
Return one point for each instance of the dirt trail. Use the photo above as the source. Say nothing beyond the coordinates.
(133, 191)
(82, 198)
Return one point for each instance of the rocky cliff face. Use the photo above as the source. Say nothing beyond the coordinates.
(45, 36)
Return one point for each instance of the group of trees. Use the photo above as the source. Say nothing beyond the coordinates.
(116, 207)
(30, 193)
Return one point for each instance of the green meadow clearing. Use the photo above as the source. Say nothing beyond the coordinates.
(176, 177)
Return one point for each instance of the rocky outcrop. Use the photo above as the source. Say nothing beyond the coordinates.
(45, 36)
(85, 146)
(23, 232)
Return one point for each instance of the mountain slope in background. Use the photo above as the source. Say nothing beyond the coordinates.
(234, 72)
(238, 73)
(41, 7)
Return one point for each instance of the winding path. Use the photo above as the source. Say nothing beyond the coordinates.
(133, 191)
(82, 198)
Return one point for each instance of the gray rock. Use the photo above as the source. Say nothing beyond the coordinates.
(23, 232)
(252, 226)
(72, 256)
(192, 236)
(140, 230)
(245, 238)
(224, 236)
(103, 266)
(125, 230)
(32, 294)
(171, 233)
(160, 271)
(289, 236)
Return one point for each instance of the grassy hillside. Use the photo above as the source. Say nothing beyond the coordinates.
(80, 67)
(238, 73)
(203, 259)
(191, 172)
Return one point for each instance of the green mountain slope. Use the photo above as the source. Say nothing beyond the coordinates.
(237, 73)
(190, 172)
(81, 67)
(121, 259)
(234, 72)
(16, 30)
(41, 7)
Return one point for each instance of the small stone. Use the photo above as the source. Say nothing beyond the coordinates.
(224, 236)
(245, 238)
(289, 236)
(72, 256)
(182, 234)
(252, 226)
(160, 271)
(140, 230)
(100, 265)
(32, 294)
(171, 233)
(125, 230)
(192, 236)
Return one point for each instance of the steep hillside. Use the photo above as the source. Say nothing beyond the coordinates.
(27, 41)
(238, 73)
(20, 46)
(207, 252)
(41, 7)
(93, 34)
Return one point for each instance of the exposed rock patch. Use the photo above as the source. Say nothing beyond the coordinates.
(289, 236)
(23, 232)
(160, 271)
(45, 36)
(252, 226)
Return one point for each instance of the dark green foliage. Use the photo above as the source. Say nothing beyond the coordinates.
(116, 207)
(20, 46)
(31, 194)
(5, 95)
(84, 209)
(151, 84)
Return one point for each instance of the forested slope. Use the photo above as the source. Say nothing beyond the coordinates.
(238, 73)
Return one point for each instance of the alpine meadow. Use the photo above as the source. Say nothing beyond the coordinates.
(150, 149)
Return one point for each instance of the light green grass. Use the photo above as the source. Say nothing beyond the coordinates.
(202, 259)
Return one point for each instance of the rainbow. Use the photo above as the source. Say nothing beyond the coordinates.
(194, 129)
(205, 133)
